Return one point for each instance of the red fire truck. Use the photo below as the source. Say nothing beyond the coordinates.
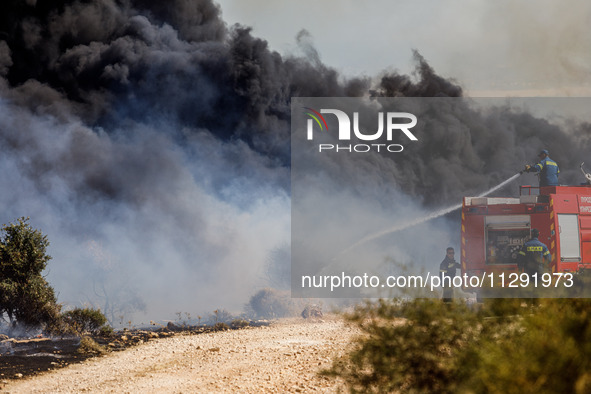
(495, 228)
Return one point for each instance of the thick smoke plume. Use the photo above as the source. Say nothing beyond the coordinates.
(150, 142)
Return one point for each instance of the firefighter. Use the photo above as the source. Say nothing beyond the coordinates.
(533, 254)
(547, 170)
(532, 258)
(447, 269)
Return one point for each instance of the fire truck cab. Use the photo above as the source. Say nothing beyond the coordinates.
(495, 228)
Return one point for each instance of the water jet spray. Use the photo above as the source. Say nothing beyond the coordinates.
(424, 219)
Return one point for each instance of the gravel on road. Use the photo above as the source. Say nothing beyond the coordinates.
(282, 357)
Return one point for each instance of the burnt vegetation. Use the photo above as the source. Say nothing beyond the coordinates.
(37, 326)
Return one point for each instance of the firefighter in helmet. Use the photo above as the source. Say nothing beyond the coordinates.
(447, 272)
(547, 170)
(533, 255)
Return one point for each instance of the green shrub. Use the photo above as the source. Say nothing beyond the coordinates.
(548, 351)
(502, 347)
(86, 321)
(407, 346)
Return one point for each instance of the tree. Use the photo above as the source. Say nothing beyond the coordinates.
(25, 296)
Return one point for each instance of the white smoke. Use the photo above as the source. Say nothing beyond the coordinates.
(179, 243)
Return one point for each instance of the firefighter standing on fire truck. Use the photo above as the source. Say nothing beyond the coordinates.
(547, 169)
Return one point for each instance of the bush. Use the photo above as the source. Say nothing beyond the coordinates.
(89, 346)
(270, 303)
(87, 321)
(239, 323)
(427, 346)
(220, 326)
(408, 346)
(548, 351)
(106, 331)
(220, 316)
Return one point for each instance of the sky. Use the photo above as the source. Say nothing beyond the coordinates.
(492, 48)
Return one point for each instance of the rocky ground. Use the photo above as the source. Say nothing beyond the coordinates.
(282, 357)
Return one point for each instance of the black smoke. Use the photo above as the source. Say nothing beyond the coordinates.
(152, 142)
(142, 60)
(117, 63)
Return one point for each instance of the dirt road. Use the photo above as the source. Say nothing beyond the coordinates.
(283, 357)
